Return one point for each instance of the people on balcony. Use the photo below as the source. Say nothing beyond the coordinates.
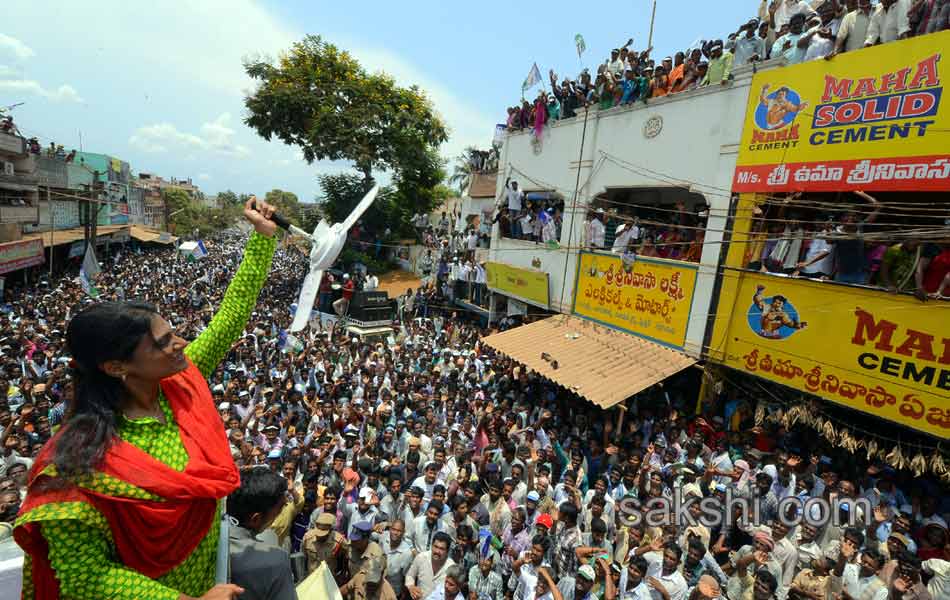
(848, 241)
(794, 30)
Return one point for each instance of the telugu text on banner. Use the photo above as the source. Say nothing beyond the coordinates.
(650, 298)
(879, 353)
(874, 119)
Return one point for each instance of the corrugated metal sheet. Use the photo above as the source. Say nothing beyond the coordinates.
(603, 365)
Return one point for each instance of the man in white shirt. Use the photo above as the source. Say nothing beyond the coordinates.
(819, 261)
(633, 585)
(889, 22)
(461, 287)
(781, 12)
(819, 41)
(596, 230)
(371, 283)
(668, 583)
(428, 570)
(471, 242)
(524, 223)
(615, 66)
(749, 47)
(854, 28)
(859, 580)
(515, 199)
(785, 553)
(788, 45)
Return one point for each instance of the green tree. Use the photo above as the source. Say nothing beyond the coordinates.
(462, 171)
(185, 216)
(318, 97)
(286, 204)
(228, 199)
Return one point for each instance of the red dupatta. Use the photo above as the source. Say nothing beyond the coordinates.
(151, 537)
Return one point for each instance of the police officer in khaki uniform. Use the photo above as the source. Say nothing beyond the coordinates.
(370, 584)
(323, 544)
(363, 552)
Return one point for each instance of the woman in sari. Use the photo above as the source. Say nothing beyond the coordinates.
(125, 500)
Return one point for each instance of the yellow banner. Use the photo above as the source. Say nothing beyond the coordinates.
(868, 350)
(873, 119)
(522, 284)
(651, 299)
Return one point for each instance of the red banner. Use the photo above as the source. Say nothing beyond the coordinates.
(923, 173)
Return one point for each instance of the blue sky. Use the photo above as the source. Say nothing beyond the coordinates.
(160, 83)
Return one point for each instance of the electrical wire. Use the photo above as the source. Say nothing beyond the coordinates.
(841, 423)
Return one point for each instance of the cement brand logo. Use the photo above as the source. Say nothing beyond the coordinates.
(773, 317)
(778, 110)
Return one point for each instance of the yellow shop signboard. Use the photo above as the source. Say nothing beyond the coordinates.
(650, 298)
(522, 284)
(883, 354)
(874, 119)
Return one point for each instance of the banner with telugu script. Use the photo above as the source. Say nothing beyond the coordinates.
(20, 254)
(873, 119)
(652, 299)
(868, 350)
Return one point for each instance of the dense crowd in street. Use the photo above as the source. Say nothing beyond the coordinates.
(427, 466)
(794, 30)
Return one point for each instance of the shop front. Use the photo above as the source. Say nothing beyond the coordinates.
(821, 315)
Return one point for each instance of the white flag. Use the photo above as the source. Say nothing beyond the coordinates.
(534, 77)
(89, 263)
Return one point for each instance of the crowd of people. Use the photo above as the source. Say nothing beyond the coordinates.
(429, 467)
(674, 233)
(855, 239)
(795, 30)
(449, 265)
(536, 217)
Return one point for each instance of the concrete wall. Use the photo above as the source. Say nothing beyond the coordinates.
(65, 215)
(696, 147)
(51, 171)
(137, 205)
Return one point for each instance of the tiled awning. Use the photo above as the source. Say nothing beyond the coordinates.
(68, 236)
(603, 365)
(145, 234)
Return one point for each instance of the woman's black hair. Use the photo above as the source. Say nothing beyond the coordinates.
(103, 332)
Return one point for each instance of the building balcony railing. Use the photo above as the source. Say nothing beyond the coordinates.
(12, 146)
(18, 214)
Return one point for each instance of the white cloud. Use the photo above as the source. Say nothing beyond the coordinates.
(64, 93)
(215, 137)
(12, 45)
(204, 176)
(209, 79)
(468, 125)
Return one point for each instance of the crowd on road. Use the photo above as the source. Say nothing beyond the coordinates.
(794, 30)
(426, 466)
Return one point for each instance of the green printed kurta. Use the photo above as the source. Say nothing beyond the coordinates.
(80, 541)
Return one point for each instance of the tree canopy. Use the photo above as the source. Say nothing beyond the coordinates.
(187, 215)
(286, 204)
(318, 97)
